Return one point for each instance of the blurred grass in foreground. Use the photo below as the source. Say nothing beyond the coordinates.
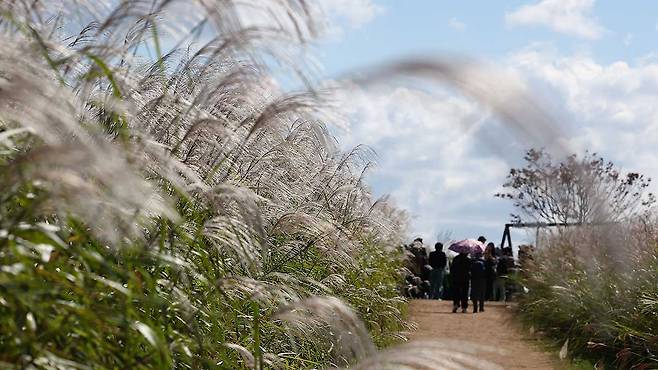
(597, 287)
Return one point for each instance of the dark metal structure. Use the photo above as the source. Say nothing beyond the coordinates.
(537, 225)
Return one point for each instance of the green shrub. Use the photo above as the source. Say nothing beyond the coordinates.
(175, 209)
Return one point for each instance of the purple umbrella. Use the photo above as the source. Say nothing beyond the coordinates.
(467, 246)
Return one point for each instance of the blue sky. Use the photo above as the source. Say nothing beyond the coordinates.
(479, 28)
(441, 155)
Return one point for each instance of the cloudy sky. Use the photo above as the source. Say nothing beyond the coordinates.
(440, 154)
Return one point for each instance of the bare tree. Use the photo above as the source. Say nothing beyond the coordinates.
(581, 189)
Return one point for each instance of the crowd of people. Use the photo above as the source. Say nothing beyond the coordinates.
(482, 276)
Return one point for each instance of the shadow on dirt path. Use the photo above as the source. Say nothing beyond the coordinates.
(492, 328)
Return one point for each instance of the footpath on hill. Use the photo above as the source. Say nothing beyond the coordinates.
(492, 328)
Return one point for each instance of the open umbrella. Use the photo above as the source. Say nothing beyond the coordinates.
(467, 246)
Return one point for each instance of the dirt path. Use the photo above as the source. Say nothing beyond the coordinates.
(491, 328)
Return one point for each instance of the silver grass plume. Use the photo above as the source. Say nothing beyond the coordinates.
(88, 174)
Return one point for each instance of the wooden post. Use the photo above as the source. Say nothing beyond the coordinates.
(537, 237)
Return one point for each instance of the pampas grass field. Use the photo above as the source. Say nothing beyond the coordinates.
(166, 205)
(593, 291)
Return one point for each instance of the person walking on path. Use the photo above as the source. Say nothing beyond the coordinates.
(438, 262)
(490, 270)
(478, 282)
(460, 274)
(502, 270)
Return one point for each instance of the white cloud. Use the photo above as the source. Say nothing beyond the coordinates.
(442, 158)
(355, 12)
(429, 157)
(628, 39)
(570, 17)
(612, 107)
(342, 15)
(456, 24)
(333, 17)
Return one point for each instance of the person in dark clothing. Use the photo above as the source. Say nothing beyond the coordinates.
(511, 287)
(489, 270)
(502, 270)
(478, 282)
(438, 261)
(417, 257)
(460, 274)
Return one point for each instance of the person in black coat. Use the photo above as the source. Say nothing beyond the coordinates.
(438, 262)
(505, 261)
(490, 270)
(460, 275)
(478, 282)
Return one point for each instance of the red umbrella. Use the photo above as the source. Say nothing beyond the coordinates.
(467, 246)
